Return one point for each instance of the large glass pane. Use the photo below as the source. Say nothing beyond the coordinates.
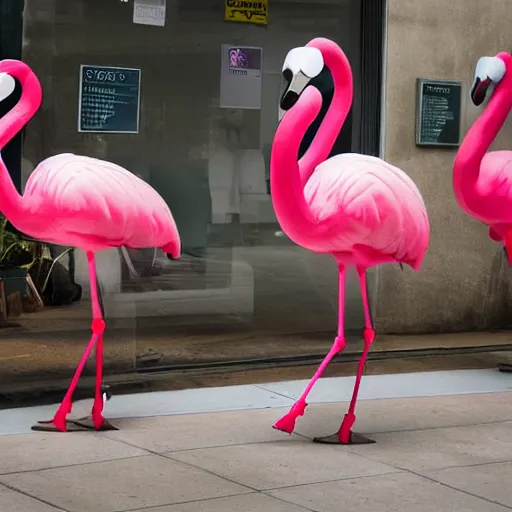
(43, 341)
(242, 289)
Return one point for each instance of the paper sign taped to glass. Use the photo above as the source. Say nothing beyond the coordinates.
(149, 12)
(240, 77)
(247, 11)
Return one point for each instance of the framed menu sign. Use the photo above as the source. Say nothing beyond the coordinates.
(438, 112)
(109, 99)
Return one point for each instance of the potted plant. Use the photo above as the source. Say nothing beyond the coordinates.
(17, 256)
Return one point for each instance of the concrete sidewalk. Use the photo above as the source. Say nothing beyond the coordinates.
(449, 453)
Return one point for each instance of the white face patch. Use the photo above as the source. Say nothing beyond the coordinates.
(307, 60)
(492, 68)
(300, 66)
(7, 85)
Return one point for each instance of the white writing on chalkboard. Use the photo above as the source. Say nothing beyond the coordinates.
(436, 88)
(98, 105)
(96, 109)
(435, 115)
(109, 99)
(100, 75)
(438, 121)
(100, 90)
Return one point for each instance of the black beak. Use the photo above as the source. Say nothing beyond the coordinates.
(479, 90)
(294, 84)
(289, 97)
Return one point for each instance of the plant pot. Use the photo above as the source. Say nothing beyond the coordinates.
(14, 283)
(15, 280)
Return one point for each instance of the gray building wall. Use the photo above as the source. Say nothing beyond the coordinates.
(464, 283)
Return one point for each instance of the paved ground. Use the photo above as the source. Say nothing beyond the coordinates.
(449, 453)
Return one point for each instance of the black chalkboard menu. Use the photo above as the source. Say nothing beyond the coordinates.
(109, 99)
(438, 113)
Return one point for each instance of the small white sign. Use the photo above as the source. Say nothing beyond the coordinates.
(149, 12)
(240, 77)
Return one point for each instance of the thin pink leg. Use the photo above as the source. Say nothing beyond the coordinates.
(287, 422)
(59, 420)
(345, 430)
(98, 326)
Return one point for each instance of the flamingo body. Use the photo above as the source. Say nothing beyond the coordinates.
(494, 186)
(482, 181)
(387, 219)
(93, 204)
(83, 202)
(497, 169)
(360, 209)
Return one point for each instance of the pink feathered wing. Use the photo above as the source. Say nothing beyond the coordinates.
(376, 210)
(95, 205)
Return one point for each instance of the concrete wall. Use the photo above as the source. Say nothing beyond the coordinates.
(464, 283)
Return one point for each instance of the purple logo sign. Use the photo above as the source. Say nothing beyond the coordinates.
(244, 61)
(238, 59)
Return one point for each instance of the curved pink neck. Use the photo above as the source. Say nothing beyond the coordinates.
(338, 64)
(287, 191)
(11, 124)
(466, 168)
(29, 103)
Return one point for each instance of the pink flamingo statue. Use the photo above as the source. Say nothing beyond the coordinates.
(83, 202)
(482, 181)
(360, 209)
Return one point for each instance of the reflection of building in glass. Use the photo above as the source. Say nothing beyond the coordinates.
(236, 279)
(239, 292)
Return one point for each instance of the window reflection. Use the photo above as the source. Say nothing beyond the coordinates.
(239, 291)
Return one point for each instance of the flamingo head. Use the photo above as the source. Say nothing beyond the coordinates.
(489, 72)
(300, 66)
(7, 85)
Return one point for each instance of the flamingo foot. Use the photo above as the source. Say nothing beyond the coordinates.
(96, 421)
(97, 417)
(60, 418)
(345, 431)
(287, 422)
(345, 434)
(335, 439)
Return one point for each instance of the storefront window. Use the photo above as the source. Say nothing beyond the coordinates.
(241, 290)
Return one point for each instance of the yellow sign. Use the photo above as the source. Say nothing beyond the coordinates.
(247, 11)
